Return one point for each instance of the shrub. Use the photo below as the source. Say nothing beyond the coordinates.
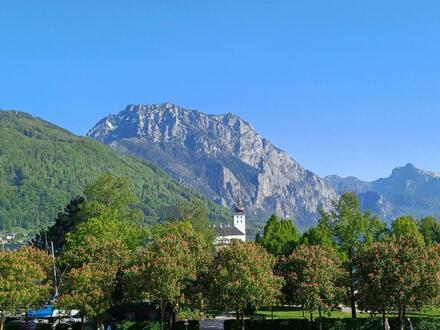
(62, 326)
(43, 326)
(77, 326)
(124, 325)
(332, 324)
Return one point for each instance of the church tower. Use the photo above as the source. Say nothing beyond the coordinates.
(239, 216)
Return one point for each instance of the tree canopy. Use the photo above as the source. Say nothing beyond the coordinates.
(242, 276)
(396, 274)
(25, 280)
(312, 274)
(280, 236)
(429, 227)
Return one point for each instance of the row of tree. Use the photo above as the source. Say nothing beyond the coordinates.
(105, 258)
(351, 258)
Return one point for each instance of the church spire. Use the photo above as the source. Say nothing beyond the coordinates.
(239, 216)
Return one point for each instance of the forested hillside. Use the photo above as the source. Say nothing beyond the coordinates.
(43, 166)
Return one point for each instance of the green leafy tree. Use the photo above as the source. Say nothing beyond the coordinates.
(94, 256)
(84, 245)
(318, 235)
(350, 228)
(280, 236)
(110, 192)
(24, 280)
(397, 274)
(406, 226)
(312, 274)
(195, 212)
(165, 266)
(375, 229)
(89, 288)
(91, 281)
(242, 276)
(429, 227)
(375, 277)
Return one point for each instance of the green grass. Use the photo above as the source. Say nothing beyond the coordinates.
(295, 313)
(298, 314)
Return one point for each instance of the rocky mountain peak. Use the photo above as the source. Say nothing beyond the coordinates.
(410, 171)
(408, 190)
(220, 156)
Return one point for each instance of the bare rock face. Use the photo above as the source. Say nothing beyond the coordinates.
(221, 157)
(407, 191)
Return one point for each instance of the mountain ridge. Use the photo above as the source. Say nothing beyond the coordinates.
(407, 190)
(220, 156)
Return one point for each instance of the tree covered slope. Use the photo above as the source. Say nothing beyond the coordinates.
(43, 166)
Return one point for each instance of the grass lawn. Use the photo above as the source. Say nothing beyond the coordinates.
(298, 314)
(295, 313)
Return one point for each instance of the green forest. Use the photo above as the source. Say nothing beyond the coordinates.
(42, 167)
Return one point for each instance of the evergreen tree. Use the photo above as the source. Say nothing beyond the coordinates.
(65, 222)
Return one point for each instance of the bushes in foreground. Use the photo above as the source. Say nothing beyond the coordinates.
(332, 324)
(147, 325)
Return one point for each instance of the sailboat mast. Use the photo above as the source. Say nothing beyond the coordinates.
(54, 269)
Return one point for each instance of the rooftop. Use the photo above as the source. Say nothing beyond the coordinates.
(227, 231)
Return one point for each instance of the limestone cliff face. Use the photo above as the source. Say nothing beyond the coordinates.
(221, 157)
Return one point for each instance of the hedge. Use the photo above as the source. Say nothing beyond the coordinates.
(332, 324)
(147, 325)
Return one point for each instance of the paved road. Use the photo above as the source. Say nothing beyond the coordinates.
(212, 324)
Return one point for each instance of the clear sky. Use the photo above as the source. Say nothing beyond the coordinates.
(346, 87)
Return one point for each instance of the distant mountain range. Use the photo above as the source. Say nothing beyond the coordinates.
(408, 190)
(221, 157)
(43, 166)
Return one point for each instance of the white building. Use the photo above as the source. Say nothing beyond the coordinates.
(224, 234)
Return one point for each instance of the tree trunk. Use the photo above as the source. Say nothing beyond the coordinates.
(98, 323)
(383, 319)
(2, 320)
(404, 312)
(320, 318)
(1, 324)
(401, 316)
(162, 313)
(352, 303)
(26, 320)
(352, 288)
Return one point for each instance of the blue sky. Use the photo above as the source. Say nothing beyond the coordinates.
(346, 87)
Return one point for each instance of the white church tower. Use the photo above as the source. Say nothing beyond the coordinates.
(240, 217)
